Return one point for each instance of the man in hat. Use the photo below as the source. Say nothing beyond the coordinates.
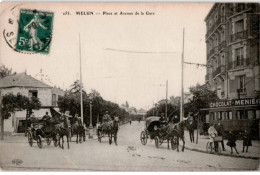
(105, 120)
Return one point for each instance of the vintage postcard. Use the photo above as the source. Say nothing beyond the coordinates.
(113, 86)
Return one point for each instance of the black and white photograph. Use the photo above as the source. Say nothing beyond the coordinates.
(129, 86)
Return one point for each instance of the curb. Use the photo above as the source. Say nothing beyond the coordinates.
(221, 154)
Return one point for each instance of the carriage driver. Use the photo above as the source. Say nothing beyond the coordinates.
(46, 118)
(105, 120)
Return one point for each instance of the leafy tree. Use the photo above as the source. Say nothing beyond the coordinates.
(12, 103)
(202, 97)
(5, 71)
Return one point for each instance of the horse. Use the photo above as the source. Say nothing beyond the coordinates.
(79, 130)
(64, 131)
(176, 132)
(113, 130)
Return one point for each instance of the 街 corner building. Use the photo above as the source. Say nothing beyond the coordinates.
(232, 40)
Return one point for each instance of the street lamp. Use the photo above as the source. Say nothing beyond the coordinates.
(90, 120)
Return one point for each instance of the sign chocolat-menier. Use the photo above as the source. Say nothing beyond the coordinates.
(235, 102)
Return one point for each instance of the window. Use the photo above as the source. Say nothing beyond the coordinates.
(54, 100)
(33, 93)
(239, 26)
(241, 115)
(239, 56)
(242, 88)
(251, 114)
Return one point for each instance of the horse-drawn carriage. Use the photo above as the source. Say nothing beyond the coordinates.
(109, 129)
(161, 132)
(76, 129)
(42, 132)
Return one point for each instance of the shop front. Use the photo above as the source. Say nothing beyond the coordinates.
(235, 114)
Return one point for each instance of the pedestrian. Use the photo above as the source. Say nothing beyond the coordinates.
(232, 141)
(212, 134)
(191, 126)
(246, 140)
(221, 132)
(130, 122)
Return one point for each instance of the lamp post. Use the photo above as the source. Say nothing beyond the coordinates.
(90, 120)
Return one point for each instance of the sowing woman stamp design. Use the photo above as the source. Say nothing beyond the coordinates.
(34, 31)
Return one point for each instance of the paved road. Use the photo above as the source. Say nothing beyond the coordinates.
(129, 155)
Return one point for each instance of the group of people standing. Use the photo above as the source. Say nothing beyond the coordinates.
(218, 130)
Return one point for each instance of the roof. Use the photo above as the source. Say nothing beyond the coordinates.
(21, 80)
(153, 118)
(211, 11)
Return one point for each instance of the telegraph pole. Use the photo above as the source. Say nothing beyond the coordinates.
(166, 100)
(182, 66)
(81, 99)
(1, 117)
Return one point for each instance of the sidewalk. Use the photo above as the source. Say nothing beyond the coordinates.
(253, 151)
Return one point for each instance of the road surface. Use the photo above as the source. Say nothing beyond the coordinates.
(129, 155)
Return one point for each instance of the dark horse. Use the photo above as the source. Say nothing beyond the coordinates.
(111, 129)
(175, 132)
(79, 130)
(64, 131)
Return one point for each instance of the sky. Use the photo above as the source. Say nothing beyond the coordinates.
(124, 57)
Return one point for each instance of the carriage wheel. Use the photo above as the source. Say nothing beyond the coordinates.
(143, 138)
(174, 143)
(48, 141)
(39, 142)
(157, 140)
(30, 139)
(209, 147)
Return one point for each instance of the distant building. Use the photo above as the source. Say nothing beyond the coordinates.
(232, 41)
(28, 86)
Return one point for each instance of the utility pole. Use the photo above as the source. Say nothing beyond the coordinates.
(182, 66)
(1, 117)
(166, 100)
(81, 99)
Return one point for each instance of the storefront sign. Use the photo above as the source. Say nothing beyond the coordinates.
(236, 102)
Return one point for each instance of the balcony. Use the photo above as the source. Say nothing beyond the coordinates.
(239, 63)
(239, 36)
(211, 52)
(239, 8)
(222, 45)
(220, 69)
(215, 25)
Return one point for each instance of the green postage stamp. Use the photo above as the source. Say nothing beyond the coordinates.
(34, 31)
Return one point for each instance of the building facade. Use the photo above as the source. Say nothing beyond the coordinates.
(28, 86)
(232, 40)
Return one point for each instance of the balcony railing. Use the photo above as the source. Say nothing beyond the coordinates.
(240, 35)
(222, 45)
(239, 63)
(211, 52)
(239, 8)
(219, 70)
(215, 25)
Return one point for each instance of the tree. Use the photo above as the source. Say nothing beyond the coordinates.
(12, 103)
(5, 71)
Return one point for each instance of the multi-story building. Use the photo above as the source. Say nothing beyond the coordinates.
(232, 41)
(28, 86)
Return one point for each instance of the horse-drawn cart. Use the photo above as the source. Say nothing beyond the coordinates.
(42, 133)
(157, 130)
